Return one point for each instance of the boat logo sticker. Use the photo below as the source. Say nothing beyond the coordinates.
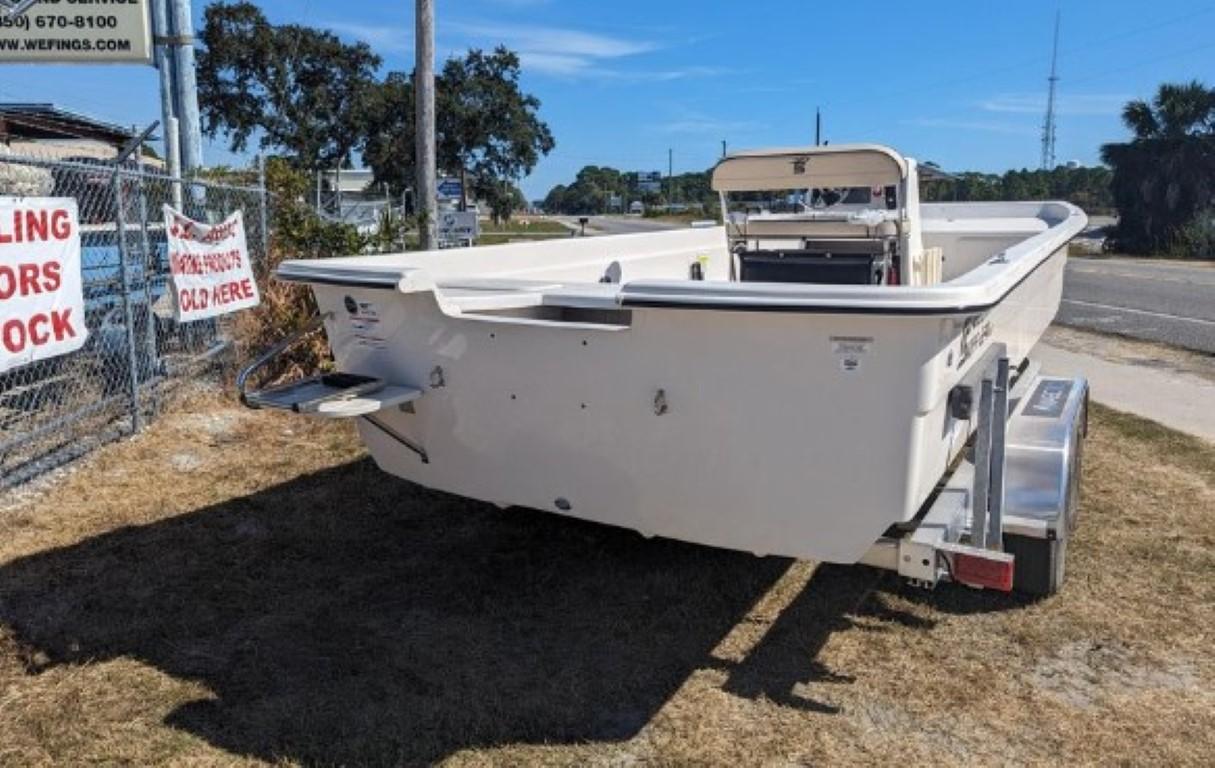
(1048, 399)
(364, 315)
(850, 351)
(975, 332)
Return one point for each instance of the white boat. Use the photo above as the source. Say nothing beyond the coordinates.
(791, 383)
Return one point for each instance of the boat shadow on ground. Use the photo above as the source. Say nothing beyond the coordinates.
(347, 617)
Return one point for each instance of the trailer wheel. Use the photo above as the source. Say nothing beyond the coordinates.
(1040, 564)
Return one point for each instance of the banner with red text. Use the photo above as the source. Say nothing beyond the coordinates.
(41, 301)
(210, 266)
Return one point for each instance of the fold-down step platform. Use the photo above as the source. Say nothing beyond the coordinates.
(333, 396)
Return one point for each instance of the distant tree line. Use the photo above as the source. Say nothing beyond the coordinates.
(594, 187)
(317, 101)
(1087, 187)
(1164, 177)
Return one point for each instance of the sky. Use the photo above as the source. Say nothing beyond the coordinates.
(961, 84)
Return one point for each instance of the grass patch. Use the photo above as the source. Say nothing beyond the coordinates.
(525, 225)
(286, 602)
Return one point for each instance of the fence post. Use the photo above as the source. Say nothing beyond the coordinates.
(151, 268)
(264, 198)
(120, 225)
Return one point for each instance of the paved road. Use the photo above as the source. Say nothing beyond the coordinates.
(618, 225)
(1167, 302)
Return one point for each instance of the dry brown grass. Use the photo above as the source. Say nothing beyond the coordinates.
(235, 587)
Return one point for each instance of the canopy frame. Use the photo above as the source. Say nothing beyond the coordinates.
(842, 165)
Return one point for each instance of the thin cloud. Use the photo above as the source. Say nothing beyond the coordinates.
(556, 40)
(660, 75)
(381, 38)
(557, 64)
(576, 67)
(1065, 104)
(693, 123)
(987, 126)
(577, 54)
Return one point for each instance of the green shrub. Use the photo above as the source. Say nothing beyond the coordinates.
(1196, 239)
(297, 232)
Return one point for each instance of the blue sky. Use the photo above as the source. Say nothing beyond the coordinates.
(959, 83)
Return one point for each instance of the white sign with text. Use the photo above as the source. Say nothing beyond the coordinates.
(41, 296)
(210, 266)
(457, 226)
(76, 31)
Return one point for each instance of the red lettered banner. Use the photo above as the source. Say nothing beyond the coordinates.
(41, 302)
(210, 265)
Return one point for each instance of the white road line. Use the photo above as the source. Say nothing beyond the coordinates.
(1164, 315)
(1141, 276)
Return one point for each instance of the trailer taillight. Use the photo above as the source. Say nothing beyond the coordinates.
(987, 572)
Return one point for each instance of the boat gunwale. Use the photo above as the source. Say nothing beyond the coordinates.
(943, 299)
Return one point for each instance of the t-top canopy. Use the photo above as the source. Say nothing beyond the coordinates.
(841, 165)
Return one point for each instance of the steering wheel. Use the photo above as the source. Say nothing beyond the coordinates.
(838, 193)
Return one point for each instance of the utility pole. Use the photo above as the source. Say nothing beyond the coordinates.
(187, 86)
(670, 177)
(164, 69)
(1048, 125)
(818, 127)
(424, 129)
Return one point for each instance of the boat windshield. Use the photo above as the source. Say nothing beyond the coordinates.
(841, 199)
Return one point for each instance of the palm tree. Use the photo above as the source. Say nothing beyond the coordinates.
(1179, 109)
(1165, 176)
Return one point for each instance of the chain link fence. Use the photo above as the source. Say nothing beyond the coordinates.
(52, 411)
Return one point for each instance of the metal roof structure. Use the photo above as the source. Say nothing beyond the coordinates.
(36, 121)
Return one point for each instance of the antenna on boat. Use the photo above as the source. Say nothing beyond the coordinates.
(818, 127)
(1048, 125)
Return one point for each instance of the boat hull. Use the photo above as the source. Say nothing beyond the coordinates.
(801, 433)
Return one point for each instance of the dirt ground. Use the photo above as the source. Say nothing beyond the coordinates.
(235, 587)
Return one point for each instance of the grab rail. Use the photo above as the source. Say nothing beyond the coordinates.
(242, 378)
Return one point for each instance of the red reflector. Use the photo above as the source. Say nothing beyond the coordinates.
(983, 572)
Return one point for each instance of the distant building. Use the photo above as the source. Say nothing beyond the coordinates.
(352, 196)
(351, 181)
(46, 131)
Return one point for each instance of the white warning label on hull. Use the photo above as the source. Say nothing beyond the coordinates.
(851, 351)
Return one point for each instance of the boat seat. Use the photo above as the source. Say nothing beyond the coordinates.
(859, 266)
